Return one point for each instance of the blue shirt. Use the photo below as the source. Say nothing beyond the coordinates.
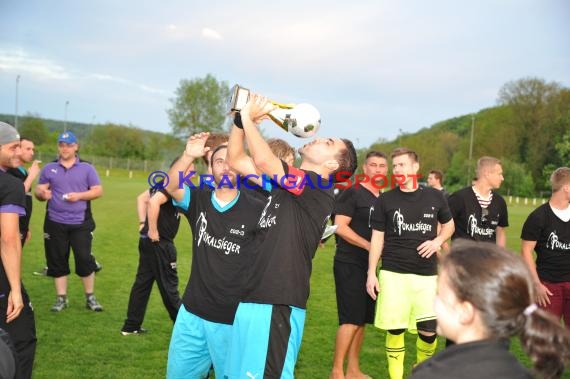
(78, 178)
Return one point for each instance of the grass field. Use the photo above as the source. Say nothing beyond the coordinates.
(78, 343)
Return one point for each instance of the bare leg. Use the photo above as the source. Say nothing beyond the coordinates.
(344, 338)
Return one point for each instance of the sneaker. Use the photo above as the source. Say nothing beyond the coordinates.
(133, 332)
(98, 266)
(60, 304)
(93, 304)
(42, 272)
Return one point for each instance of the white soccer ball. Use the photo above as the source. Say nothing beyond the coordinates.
(304, 121)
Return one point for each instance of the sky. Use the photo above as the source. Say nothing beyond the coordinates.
(374, 69)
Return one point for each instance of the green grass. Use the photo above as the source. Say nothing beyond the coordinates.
(78, 343)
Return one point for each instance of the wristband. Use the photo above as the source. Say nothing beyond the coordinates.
(237, 120)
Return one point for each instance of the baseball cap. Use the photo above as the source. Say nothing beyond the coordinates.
(67, 137)
(8, 133)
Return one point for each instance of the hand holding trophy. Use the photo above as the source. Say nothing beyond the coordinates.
(302, 120)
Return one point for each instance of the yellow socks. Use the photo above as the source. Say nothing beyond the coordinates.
(395, 352)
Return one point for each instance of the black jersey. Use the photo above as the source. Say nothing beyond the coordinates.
(222, 245)
(12, 200)
(168, 218)
(293, 220)
(552, 236)
(356, 203)
(22, 174)
(408, 219)
(474, 223)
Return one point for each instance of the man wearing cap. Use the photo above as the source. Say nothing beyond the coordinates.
(69, 185)
(16, 314)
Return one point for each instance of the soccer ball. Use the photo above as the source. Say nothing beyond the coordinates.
(303, 120)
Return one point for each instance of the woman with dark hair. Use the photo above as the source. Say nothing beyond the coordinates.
(486, 295)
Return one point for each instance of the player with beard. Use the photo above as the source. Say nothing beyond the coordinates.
(405, 236)
(267, 333)
(224, 223)
(16, 313)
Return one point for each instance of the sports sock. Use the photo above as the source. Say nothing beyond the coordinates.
(395, 352)
(425, 349)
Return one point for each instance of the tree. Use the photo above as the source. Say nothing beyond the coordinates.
(200, 105)
(33, 128)
(535, 107)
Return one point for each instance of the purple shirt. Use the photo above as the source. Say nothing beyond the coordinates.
(78, 178)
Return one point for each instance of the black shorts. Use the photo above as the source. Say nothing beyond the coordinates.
(59, 238)
(354, 304)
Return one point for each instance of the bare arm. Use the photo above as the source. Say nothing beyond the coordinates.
(348, 234)
(33, 172)
(374, 254)
(91, 194)
(501, 235)
(11, 254)
(142, 202)
(42, 192)
(254, 111)
(152, 213)
(195, 148)
(237, 157)
(542, 293)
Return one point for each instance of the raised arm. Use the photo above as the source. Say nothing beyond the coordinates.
(237, 157)
(195, 148)
(257, 109)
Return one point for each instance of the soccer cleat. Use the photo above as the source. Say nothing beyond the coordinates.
(133, 332)
(98, 266)
(60, 304)
(93, 304)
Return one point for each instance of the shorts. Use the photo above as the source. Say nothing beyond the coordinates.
(195, 345)
(266, 340)
(354, 304)
(404, 300)
(59, 238)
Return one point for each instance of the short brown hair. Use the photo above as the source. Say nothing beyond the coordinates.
(438, 175)
(485, 163)
(214, 140)
(559, 178)
(404, 150)
(280, 148)
(375, 154)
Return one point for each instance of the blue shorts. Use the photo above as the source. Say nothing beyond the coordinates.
(195, 345)
(266, 340)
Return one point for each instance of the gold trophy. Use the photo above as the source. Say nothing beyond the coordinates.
(302, 120)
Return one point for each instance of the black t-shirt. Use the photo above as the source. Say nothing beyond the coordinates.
(168, 218)
(12, 200)
(294, 221)
(22, 174)
(408, 219)
(223, 241)
(552, 236)
(356, 203)
(472, 360)
(468, 216)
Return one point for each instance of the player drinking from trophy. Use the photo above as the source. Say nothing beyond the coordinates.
(268, 327)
